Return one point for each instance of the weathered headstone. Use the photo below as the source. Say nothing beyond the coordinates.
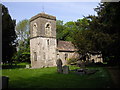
(80, 71)
(92, 71)
(81, 64)
(87, 62)
(59, 66)
(5, 81)
(27, 66)
(65, 69)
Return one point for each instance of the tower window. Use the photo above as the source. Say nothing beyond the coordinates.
(48, 26)
(44, 55)
(48, 29)
(34, 29)
(66, 56)
(35, 56)
(48, 42)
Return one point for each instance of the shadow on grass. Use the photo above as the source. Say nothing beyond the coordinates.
(55, 80)
(13, 66)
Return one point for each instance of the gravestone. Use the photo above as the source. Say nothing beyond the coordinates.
(81, 63)
(59, 66)
(27, 66)
(5, 81)
(65, 69)
(92, 71)
(85, 71)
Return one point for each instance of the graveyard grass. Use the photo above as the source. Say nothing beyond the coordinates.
(49, 78)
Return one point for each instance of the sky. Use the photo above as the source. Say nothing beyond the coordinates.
(66, 11)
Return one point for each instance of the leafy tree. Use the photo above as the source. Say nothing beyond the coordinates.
(65, 31)
(59, 29)
(8, 36)
(77, 32)
(22, 30)
(70, 27)
(107, 24)
(82, 37)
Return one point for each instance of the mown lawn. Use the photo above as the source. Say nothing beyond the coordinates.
(49, 78)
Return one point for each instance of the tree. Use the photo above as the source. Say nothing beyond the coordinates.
(82, 37)
(65, 31)
(8, 36)
(59, 29)
(77, 32)
(107, 24)
(22, 30)
(70, 28)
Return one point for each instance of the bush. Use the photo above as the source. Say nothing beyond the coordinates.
(99, 64)
(89, 63)
(72, 61)
(21, 57)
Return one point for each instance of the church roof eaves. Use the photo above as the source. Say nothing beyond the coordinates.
(43, 15)
(66, 46)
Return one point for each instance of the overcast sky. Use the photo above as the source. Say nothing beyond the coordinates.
(66, 11)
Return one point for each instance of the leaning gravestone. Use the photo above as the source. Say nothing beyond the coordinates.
(59, 66)
(5, 81)
(65, 69)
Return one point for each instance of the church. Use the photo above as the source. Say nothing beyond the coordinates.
(44, 48)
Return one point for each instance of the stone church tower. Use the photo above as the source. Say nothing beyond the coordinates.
(43, 40)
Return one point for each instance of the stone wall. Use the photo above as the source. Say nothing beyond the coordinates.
(96, 58)
(43, 44)
(62, 56)
(43, 52)
(66, 55)
(43, 40)
(41, 28)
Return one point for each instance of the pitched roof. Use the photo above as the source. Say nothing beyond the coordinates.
(65, 46)
(43, 15)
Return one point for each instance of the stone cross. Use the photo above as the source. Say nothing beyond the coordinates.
(59, 66)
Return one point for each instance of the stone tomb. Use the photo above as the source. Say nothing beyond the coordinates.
(84, 71)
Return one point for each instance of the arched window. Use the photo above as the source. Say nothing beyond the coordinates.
(48, 29)
(48, 42)
(35, 29)
(35, 56)
(66, 56)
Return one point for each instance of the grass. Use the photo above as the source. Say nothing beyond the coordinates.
(14, 66)
(49, 78)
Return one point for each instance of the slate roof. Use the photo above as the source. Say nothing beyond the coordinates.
(65, 46)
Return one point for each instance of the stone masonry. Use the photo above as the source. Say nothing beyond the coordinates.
(44, 49)
(43, 40)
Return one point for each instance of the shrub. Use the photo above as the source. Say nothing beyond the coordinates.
(72, 61)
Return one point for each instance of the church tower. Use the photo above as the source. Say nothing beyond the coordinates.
(43, 40)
